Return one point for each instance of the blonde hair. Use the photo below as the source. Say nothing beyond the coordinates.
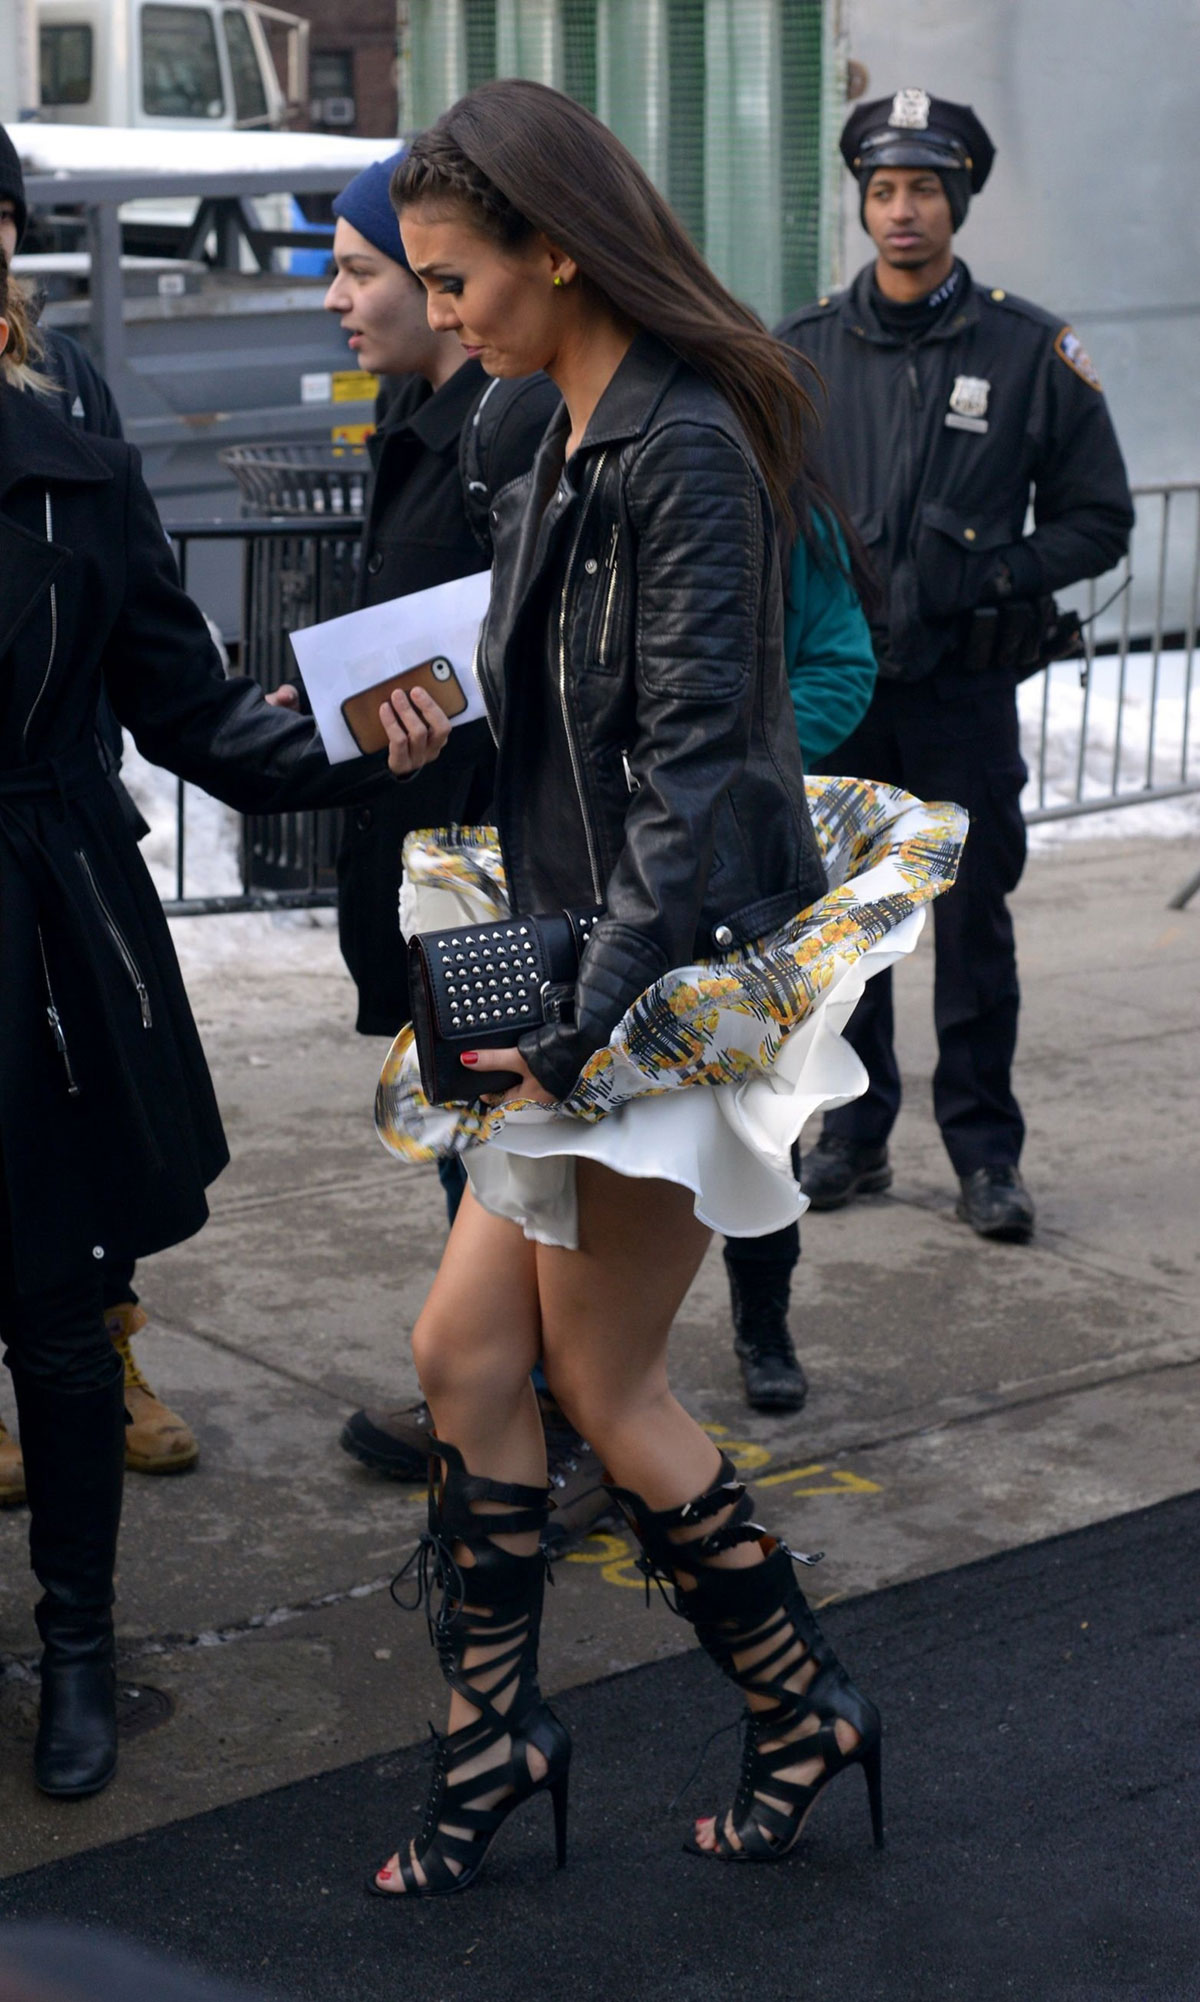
(24, 349)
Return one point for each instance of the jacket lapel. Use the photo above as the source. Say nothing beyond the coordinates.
(28, 567)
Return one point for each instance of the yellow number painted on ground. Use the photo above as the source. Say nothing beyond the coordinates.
(840, 1481)
(746, 1457)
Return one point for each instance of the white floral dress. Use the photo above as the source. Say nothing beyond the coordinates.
(710, 1075)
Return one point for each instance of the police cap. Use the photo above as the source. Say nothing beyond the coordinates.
(913, 129)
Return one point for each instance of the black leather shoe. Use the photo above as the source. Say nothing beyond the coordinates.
(759, 1294)
(996, 1203)
(396, 1444)
(838, 1169)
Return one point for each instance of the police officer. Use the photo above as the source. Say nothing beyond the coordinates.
(948, 403)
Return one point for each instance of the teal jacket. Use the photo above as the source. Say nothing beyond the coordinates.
(827, 644)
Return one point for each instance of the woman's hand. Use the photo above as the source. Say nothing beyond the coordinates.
(417, 728)
(507, 1060)
(286, 696)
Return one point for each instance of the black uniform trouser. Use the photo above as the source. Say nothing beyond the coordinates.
(951, 738)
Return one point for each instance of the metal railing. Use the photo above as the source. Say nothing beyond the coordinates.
(296, 571)
(1118, 727)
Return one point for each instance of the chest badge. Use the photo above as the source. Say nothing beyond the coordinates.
(968, 403)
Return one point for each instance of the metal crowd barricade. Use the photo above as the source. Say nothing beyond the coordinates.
(296, 572)
(1118, 727)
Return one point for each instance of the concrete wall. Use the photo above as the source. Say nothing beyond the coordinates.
(1092, 204)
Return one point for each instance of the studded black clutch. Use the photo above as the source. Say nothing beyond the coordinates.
(483, 987)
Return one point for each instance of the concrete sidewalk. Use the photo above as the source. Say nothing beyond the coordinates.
(965, 1397)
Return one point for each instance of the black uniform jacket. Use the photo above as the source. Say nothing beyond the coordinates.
(109, 1131)
(938, 488)
(636, 624)
(418, 533)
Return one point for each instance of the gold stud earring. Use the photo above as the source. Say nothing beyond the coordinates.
(559, 280)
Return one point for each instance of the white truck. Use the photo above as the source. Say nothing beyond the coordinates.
(170, 65)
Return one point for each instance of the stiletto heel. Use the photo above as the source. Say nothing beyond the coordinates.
(870, 1763)
(757, 1626)
(558, 1794)
(486, 1633)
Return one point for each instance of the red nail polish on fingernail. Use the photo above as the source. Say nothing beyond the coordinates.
(470, 1057)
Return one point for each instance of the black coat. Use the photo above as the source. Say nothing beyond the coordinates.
(632, 661)
(938, 489)
(109, 1131)
(418, 533)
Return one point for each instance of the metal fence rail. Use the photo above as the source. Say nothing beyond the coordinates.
(296, 571)
(1118, 727)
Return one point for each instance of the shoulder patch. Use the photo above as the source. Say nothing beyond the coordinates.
(1069, 348)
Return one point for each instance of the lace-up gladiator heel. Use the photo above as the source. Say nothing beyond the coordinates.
(758, 1627)
(485, 1630)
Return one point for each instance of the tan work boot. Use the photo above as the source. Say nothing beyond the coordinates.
(156, 1440)
(12, 1470)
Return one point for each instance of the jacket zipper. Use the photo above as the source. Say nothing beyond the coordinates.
(53, 636)
(602, 649)
(633, 784)
(562, 680)
(127, 959)
(55, 1020)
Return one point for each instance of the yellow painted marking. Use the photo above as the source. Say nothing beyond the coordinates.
(840, 1481)
(600, 1548)
(351, 434)
(624, 1573)
(746, 1456)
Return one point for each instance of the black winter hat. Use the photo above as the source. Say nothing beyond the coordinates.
(913, 129)
(12, 181)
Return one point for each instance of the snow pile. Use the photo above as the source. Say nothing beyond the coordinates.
(1110, 723)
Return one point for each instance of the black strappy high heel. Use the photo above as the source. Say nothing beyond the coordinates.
(490, 1611)
(760, 1630)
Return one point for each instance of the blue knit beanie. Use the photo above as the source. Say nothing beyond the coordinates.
(367, 207)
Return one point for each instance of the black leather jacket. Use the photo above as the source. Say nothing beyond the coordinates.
(636, 604)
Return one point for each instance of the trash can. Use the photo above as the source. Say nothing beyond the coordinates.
(303, 505)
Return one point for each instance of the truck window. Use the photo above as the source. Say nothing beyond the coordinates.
(249, 95)
(181, 76)
(66, 65)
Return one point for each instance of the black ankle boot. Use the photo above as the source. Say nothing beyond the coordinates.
(760, 1292)
(73, 1444)
(757, 1626)
(491, 1608)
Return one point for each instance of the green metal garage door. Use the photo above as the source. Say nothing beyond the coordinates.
(730, 105)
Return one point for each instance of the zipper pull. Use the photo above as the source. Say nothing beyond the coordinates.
(60, 1044)
(633, 784)
(914, 382)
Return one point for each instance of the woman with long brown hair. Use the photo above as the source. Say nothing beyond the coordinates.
(632, 666)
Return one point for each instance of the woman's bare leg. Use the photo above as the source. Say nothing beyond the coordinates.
(474, 1344)
(606, 1313)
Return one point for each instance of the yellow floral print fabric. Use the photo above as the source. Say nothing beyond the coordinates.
(717, 1022)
